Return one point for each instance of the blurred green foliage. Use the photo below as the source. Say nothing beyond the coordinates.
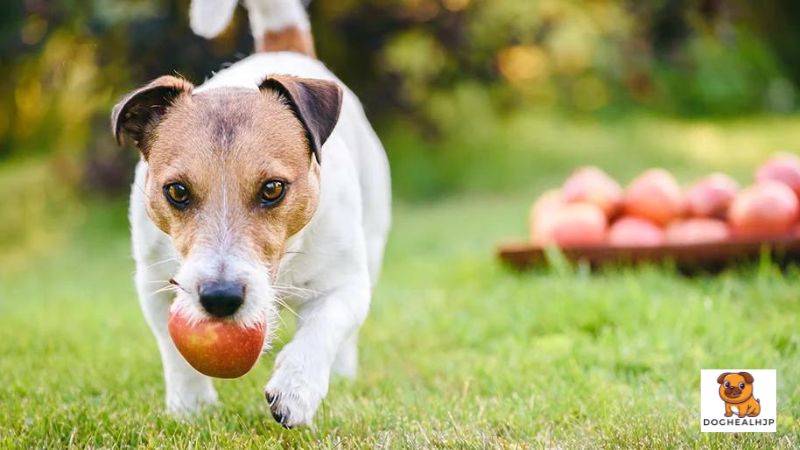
(458, 89)
(66, 61)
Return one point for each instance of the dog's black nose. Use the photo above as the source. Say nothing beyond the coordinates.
(221, 298)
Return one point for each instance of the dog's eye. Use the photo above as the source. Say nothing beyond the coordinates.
(741, 385)
(177, 194)
(272, 192)
(727, 384)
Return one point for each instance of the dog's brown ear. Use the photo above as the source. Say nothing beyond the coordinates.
(137, 113)
(316, 103)
(721, 378)
(747, 377)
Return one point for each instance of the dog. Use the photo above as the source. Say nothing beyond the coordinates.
(263, 188)
(736, 390)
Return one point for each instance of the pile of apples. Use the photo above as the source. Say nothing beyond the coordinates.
(592, 209)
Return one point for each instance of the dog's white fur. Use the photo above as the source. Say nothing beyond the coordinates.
(329, 268)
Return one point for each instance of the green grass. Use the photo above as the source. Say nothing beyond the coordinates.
(458, 351)
(480, 151)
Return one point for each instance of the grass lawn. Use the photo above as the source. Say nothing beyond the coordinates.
(458, 351)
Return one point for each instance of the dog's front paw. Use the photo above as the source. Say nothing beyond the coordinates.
(293, 409)
(295, 391)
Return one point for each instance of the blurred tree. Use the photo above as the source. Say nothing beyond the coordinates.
(423, 64)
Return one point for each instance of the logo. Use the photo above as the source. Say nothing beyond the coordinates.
(737, 401)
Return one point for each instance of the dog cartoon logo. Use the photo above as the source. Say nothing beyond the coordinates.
(736, 390)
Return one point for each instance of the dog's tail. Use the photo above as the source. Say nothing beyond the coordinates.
(277, 25)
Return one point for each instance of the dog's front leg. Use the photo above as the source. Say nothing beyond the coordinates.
(303, 367)
(186, 389)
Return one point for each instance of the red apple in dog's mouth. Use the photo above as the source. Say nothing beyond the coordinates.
(218, 348)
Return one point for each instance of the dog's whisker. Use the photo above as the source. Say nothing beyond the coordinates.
(288, 308)
(157, 263)
(142, 190)
(295, 288)
(286, 289)
(165, 289)
(282, 322)
(177, 285)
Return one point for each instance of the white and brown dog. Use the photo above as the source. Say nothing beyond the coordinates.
(265, 186)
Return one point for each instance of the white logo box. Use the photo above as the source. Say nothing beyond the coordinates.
(712, 407)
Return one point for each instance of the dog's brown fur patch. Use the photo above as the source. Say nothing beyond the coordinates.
(291, 39)
(140, 110)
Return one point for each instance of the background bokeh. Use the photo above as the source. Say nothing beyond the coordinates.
(468, 95)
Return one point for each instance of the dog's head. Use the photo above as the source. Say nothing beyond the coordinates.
(232, 175)
(735, 387)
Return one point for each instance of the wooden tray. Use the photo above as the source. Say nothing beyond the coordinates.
(688, 257)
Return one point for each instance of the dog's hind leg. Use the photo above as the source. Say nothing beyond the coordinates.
(280, 25)
(277, 25)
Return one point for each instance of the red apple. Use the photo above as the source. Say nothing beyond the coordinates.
(542, 217)
(579, 224)
(656, 196)
(711, 196)
(765, 208)
(591, 185)
(784, 168)
(697, 230)
(635, 232)
(216, 347)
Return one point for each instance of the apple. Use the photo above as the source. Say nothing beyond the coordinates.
(579, 224)
(542, 217)
(591, 185)
(765, 208)
(635, 232)
(711, 196)
(784, 168)
(697, 230)
(654, 195)
(218, 348)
